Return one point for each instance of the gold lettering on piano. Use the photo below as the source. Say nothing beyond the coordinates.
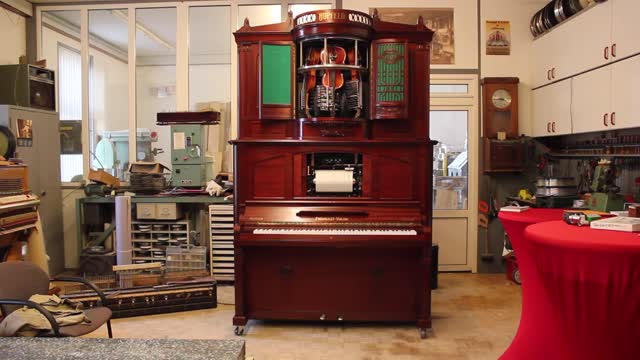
(327, 16)
(254, 218)
(319, 218)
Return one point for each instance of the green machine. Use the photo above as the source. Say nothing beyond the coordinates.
(192, 165)
(605, 195)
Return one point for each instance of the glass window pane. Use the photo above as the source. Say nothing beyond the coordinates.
(259, 14)
(450, 160)
(449, 88)
(210, 63)
(61, 48)
(108, 90)
(298, 9)
(155, 81)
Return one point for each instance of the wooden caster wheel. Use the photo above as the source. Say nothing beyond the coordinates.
(239, 330)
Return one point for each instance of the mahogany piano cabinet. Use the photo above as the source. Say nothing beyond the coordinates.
(333, 170)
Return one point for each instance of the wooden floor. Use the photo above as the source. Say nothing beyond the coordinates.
(475, 316)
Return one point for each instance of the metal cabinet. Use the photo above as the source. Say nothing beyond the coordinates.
(42, 155)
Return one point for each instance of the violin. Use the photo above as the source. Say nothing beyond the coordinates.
(313, 58)
(333, 55)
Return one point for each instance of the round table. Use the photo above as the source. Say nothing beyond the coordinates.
(580, 294)
(514, 223)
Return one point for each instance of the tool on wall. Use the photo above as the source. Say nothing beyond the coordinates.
(483, 224)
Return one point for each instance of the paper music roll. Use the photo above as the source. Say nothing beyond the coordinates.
(123, 230)
(335, 181)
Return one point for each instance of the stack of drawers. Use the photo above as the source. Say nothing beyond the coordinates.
(221, 221)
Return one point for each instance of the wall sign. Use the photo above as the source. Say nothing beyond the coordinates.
(498, 38)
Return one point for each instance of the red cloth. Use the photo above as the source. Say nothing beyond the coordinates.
(581, 298)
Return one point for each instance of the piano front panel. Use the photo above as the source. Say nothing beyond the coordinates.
(305, 283)
(277, 171)
(271, 176)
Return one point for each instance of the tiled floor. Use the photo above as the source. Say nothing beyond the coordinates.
(474, 317)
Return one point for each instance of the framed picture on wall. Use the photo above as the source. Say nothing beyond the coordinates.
(440, 20)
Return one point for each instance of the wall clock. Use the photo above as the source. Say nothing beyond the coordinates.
(500, 107)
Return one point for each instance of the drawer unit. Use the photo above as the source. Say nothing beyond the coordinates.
(146, 211)
(151, 238)
(168, 211)
(158, 211)
(222, 253)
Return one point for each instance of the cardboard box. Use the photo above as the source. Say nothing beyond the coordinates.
(147, 168)
(102, 177)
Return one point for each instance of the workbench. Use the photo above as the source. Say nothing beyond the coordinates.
(197, 204)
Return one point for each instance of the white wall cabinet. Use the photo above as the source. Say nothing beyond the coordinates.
(591, 101)
(625, 88)
(598, 100)
(552, 109)
(581, 43)
(625, 28)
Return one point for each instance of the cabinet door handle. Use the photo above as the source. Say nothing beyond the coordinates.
(613, 50)
(553, 126)
(606, 53)
(553, 73)
(548, 127)
(606, 116)
(613, 118)
(548, 74)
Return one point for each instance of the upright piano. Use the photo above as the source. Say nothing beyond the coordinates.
(333, 170)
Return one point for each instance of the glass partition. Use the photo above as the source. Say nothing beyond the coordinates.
(61, 49)
(108, 91)
(155, 81)
(210, 73)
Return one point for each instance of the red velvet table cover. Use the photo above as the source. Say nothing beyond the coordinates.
(580, 292)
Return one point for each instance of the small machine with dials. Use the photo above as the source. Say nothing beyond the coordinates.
(192, 165)
(605, 196)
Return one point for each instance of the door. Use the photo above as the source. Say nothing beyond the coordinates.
(625, 28)
(591, 101)
(454, 124)
(625, 80)
(552, 109)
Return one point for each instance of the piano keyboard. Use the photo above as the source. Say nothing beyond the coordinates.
(334, 232)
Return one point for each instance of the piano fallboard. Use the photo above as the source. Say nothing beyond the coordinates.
(332, 225)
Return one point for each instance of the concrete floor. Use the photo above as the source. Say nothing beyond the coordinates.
(475, 316)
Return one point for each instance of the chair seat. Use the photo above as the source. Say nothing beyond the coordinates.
(98, 317)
